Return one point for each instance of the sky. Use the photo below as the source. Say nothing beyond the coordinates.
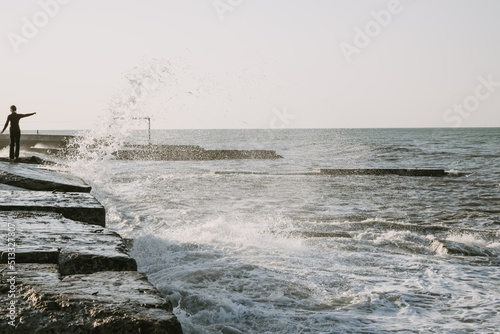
(211, 64)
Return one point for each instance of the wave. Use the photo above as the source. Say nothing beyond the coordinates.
(405, 237)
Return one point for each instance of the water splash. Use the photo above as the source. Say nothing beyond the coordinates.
(117, 124)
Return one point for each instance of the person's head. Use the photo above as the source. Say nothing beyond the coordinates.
(13, 108)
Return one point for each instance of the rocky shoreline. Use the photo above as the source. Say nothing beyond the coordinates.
(61, 270)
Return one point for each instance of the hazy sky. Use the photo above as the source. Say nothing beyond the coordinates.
(252, 63)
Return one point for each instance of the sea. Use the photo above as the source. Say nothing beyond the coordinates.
(273, 247)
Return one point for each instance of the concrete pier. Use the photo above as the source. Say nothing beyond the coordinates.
(189, 152)
(51, 144)
(62, 271)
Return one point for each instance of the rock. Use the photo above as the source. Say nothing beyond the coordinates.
(71, 263)
(71, 275)
(78, 248)
(32, 177)
(76, 206)
(104, 302)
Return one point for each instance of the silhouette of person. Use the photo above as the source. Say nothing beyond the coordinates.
(15, 131)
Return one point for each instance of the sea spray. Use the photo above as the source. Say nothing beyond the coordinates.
(90, 150)
(151, 92)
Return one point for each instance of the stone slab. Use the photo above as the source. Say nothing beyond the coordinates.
(88, 262)
(33, 177)
(240, 154)
(265, 173)
(384, 171)
(346, 172)
(188, 152)
(78, 248)
(76, 206)
(104, 302)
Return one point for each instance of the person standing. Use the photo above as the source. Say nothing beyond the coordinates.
(15, 131)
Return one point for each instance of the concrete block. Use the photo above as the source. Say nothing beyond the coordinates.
(78, 248)
(104, 302)
(76, 206)
(32, 177)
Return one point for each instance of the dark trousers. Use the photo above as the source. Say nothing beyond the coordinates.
(15, 140)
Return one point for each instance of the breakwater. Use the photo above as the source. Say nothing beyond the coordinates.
(358, 171)
(67, 145)
(62, 271)
(189, 152)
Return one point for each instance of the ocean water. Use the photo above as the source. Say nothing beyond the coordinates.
(294, 253)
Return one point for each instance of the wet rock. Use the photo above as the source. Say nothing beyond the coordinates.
(71, 263)
(32, 177)
(76, 206)
(104, 302)
(71, 275)
(78, 248)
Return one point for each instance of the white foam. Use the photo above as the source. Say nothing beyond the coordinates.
(468, 239)
(453, 172)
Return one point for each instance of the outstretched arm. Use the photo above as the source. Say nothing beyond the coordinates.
(26, 115)
(6, 123)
